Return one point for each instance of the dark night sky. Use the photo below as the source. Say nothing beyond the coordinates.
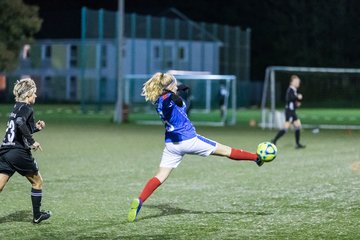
(64, 15)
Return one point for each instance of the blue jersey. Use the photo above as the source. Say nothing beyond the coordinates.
(177, 124)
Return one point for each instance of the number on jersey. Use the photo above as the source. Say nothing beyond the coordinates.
(10, 132)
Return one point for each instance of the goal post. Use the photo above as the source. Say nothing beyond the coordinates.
(328, 88)
(204, 94)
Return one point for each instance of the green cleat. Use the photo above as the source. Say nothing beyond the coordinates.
(135, 207)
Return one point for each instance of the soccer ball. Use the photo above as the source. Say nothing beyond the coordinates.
(266, 151)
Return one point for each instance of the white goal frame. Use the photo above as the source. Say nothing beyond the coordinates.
(230, 82)
(269, 117)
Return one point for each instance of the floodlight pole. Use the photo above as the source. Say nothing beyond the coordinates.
(118, 112)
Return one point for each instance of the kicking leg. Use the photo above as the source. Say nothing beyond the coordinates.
(36, 196)
(236, 154)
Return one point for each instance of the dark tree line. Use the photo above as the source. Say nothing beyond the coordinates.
(18, 24)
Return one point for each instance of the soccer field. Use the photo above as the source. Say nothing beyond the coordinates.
(93, 169)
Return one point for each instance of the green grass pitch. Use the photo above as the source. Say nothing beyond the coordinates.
(92, 170)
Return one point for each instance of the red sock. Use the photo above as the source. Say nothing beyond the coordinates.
(239, 154)
(149, 188)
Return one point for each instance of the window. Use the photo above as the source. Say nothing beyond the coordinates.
(169, 56)
(73, 56)
(103, 56)
(73, 88)
(47, 52)
(103, 87)
(156, 52)
(181, 53)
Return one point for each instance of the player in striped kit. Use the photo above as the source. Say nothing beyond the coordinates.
(180, 136)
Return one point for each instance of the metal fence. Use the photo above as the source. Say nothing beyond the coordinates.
(85, 70)
(233, 42)
(164, 43)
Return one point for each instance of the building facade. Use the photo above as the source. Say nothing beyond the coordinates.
(63, 68)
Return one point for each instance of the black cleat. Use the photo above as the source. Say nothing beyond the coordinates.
(43, 216)
(300, 146)
(259, 162)
(273, 141)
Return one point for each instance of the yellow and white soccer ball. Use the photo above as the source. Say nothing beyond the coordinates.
(266, 151)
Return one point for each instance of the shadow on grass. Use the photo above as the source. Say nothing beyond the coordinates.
(19, 216)
(167, 210)
(149, 236)
(103, 229)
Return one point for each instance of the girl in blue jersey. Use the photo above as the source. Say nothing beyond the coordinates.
(180, 136)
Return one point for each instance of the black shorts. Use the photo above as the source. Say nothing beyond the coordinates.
(221, 101)
(290, 115)
(17, 160)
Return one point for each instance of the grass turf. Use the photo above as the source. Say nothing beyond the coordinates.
(93, 169)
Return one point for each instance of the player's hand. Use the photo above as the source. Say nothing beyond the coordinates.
(36, 146)
(40, 125)
(299, 96)
(183, 87)
(298, 104)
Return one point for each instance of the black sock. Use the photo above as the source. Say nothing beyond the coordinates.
(36, 195)
(297, 136)
(279, 135)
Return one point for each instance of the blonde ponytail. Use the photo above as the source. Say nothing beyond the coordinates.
(155, 86)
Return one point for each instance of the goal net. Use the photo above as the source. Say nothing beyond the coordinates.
(331, 97)
(202, 99)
